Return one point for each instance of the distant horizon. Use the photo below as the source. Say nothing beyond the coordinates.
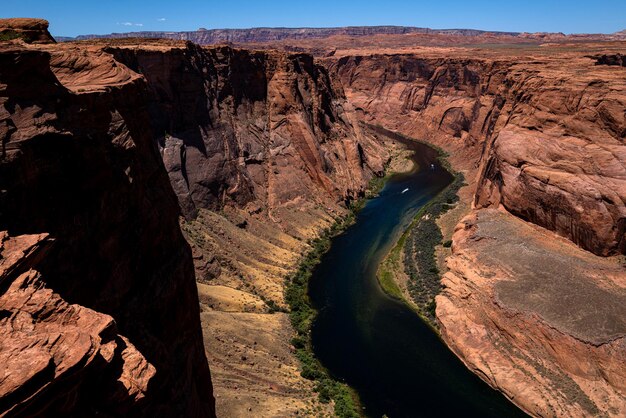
(72, 18)
(330, 27)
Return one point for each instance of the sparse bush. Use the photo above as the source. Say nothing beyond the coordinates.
(302, 315)
(8, 35)
(420, 263)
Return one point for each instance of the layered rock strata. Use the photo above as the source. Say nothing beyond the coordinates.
(263, 151)
(548, 139)
(60, 358)
(252, 128)
(33, 31)
(536, 317)
(539, 134)
(109, 313)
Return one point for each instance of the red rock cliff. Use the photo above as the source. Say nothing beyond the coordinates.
(539, 134)
(549, 137)
(82, 125)
(251, 127)
(263, 151)
(99, 309)
(29, 30)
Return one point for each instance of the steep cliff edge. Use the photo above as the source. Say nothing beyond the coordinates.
(109, 311)
(60, 358)
(539, 133)
(263, 151)
(536, 317)
(242, 127)
(549, 137)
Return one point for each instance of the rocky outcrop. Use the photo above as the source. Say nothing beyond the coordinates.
(610, 59)
(59, 358)
(108, 314)
(553, 136)
(32, 31)
(262, 150)
(560, 160)
(536, 317)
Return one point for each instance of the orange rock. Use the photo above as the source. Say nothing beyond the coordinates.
(552, 128)
(536, 317)
(112, 304)
(29, 30)
(48, 346)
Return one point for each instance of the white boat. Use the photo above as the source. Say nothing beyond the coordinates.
(404, 191)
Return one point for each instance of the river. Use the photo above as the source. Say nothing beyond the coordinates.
(376, 344)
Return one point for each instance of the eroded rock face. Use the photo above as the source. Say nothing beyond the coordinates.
(252, 128)
(58, 358)
(32, 31)
(552, 134)
(263, 150)
(560, 160)
(117, 285)
(536, 317)
(541, 137)
(610, 59)
(263, 136)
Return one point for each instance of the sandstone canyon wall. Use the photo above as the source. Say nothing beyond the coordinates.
(539, 135)
(242, 127)
(263, 151)
(99, 305)
(549, 139)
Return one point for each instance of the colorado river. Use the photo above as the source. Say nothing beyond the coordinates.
(376, 344)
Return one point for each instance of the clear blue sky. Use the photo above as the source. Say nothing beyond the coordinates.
(71, 17)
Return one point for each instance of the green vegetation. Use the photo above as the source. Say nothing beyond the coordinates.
(8, 35)
(302, 315)
(386, 275)
(420, 263)
(272, 307)
(375, 185)
(418, 244)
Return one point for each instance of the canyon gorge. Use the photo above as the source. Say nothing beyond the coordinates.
(155, 194)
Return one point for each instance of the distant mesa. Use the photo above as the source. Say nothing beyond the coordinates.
(32, 31)
(205, 36)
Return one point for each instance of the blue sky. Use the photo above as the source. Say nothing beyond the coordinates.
(71, 17)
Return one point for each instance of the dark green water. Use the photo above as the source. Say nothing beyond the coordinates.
(376, 344)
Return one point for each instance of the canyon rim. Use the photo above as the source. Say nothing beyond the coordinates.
(161, 194)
